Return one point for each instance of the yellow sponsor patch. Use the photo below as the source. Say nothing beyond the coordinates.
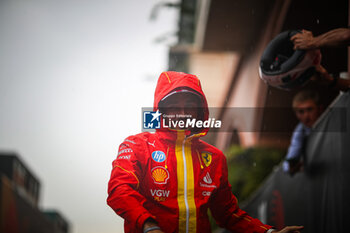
(206, 158)
(160, 175)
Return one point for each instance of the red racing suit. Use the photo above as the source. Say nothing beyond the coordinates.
(174, 177)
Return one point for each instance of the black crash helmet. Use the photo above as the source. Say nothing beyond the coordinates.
(283, 67)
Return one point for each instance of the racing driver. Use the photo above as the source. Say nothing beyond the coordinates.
(166, 181)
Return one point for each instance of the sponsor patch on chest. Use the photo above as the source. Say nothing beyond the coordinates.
(158, 156)
(207, 182)
(159, 194)
(160, 175)
(206, 158)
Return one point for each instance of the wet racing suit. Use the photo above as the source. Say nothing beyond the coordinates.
(173, 177)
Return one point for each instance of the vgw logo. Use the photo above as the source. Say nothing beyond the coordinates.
(151, 120)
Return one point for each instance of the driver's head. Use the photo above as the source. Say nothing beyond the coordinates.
(181, 104)
(179, 97)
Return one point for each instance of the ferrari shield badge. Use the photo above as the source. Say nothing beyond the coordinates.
(206, 158)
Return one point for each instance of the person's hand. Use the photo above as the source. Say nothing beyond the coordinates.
(290, 229)
(304, 40)
(294, 168)
(322, 76)
(151, 223)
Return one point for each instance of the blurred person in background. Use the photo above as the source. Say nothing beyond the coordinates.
(307, 107)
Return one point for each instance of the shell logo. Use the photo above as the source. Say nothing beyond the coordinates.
(160, 175)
